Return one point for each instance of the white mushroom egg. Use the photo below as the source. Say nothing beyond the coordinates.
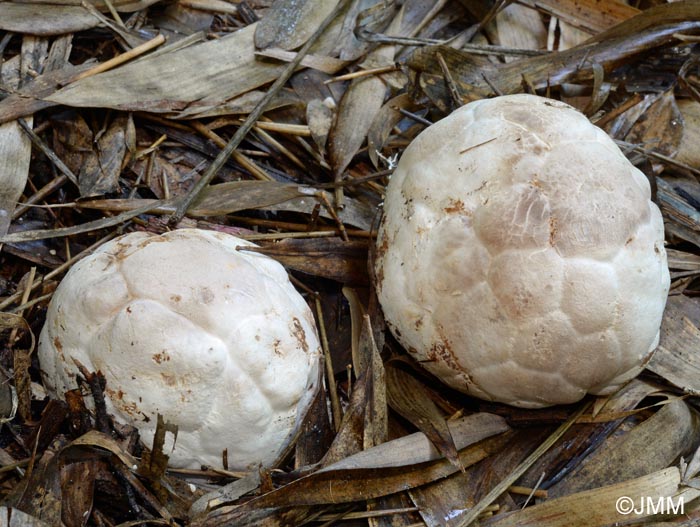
(520, 258)
(215, 339)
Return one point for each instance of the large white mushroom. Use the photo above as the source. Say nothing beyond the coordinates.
(216, 340)
(520, 258)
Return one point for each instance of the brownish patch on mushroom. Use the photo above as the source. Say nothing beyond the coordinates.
(169, 379)
(456, 206)
(443, 351)
(299, 334)
(161, 357)
(553, 231)
(175, 298)
(276, 346)
(57, 344)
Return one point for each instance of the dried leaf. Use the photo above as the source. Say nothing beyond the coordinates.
(521, 27)
(101, 167)
(11, 517)
(386, 119)
(78, 485)
(379, 471)
(319, 117)
(409, 398)
(443, 502)
(690, 138)
(652, 445)
(676, 359)
(659, 128)
(590, 15)
(376, 411)
(289, 23)
(184, 81)
(649, 29)
(596, 507)
(356, 112)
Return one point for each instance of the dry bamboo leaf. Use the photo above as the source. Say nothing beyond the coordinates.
(356, 112)
(385, 469)
(520, 27)
(333, 258)
(185, 80)
(127, 6)
(676, 359)
(652, 445)
(376, 412)
(682, 260)
(11, 517)
(101, 167)
(324, 64)
(443, 502)
(15, 146)
(44, 20)
(224, 198)
(289, 23)
(15, 149)
(592, 16)
(386, 119)
(410, 399)
(348, 440)
(29, 99)
(682, 217)
(660, 127)
(320, 119)
(227, 493)
(651, 28)
(78, 485)
(593, 508)
(688, 149)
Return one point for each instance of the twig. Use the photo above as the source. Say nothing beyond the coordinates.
(41, 145)
(121, 59)
(252, 118)
(330, 374)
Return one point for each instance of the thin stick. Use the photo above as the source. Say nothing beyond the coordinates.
(121, 59)
(503, 486)
(252, 118)
(41, 145)
(330, 375)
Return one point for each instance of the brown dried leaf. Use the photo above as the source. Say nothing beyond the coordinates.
(388, 116)
(187, 81)
(78, 485)
(650, 29)
(660, 127)
(356, 112)
(595, 507)
(385, 469)
(443, 502)
(409, 398)
(289, 23)
(687, 149)
(344, 262)
(676, 359)
(101, 167)
(521, 27)
(590, 15)
(652, 445)
(319, 117)
(376, 411)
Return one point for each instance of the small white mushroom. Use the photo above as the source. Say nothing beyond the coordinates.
(184, 325)
(520, 258)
